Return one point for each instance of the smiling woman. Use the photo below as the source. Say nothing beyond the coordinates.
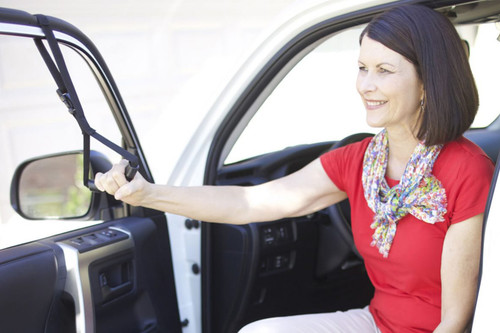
(407, 178)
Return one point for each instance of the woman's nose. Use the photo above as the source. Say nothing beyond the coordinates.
(365, 82)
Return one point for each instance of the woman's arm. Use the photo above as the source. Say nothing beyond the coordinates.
(459, 274)
(301, 193)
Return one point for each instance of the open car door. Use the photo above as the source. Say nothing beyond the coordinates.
(72, 260)
(489, 290)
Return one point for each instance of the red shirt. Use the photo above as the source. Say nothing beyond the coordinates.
(407, 283)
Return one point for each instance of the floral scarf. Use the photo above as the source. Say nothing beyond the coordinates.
(418, 193)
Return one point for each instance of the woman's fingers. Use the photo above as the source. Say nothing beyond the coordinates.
(98, 181)
(112, 180)
(132, 192)
(115, 183)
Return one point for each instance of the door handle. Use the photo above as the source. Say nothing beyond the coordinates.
(109, 293)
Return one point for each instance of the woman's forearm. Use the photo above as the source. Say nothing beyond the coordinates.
(300, 193)
(226, 204)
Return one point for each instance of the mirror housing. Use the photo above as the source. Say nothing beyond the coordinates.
(51, 187)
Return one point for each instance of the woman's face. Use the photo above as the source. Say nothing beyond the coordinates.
(389, 87)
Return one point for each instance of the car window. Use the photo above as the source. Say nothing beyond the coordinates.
(484, 55)
(34, 122)
(317, 100)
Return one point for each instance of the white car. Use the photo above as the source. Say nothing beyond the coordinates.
(101, 266)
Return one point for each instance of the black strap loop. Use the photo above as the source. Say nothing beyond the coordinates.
(69, 97)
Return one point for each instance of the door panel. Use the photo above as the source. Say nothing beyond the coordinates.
(29, 276)
(127, 284)
(119, 285)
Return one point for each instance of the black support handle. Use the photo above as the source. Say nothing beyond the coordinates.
(69, 97)
(130, 171)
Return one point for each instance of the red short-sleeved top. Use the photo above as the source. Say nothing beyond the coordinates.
(407, 283)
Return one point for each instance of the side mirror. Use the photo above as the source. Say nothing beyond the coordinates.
(51, 187)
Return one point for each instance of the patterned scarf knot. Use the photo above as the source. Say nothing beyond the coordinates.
(418, 193)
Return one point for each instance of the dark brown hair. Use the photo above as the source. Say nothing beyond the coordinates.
(430, 42)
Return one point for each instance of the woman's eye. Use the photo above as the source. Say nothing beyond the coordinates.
(383, 70)
(362, 69)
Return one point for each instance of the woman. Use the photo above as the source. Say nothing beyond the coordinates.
(417, 189)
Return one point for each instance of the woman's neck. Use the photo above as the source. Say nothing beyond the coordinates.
(401, 147)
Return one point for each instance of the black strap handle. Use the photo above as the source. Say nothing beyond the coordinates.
(67, 94)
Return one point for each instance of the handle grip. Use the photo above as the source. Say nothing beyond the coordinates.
(92, 187)
(130, 171)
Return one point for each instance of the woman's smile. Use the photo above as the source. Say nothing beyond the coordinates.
(374, 104)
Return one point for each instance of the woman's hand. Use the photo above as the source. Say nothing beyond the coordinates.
(115, 183)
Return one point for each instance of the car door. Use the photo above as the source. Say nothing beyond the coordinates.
(485, 314)
(72, 260)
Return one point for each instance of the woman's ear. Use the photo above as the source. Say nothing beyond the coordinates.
(422, 95)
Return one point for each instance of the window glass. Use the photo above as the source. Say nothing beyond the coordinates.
(484, 55)
(34, 122)
(317, 100)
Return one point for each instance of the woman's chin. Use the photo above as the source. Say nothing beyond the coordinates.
(374, 124)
